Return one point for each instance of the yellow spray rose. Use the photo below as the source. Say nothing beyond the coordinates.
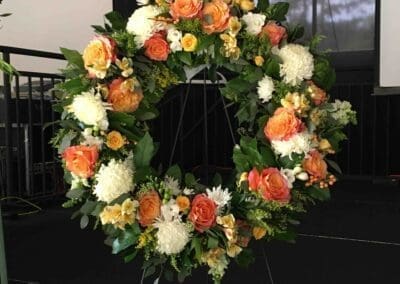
(189, 42)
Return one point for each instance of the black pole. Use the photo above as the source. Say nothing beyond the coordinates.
(3, 264)
(314, 17)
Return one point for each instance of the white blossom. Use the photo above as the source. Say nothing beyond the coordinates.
(174, 37)
(90, 140)
(254, 22)
(300, 143)
(265, 89)
(172, 184)
(172, 236)
(220, 196)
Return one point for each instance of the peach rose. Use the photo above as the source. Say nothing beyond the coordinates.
(115, 140)
(282, 125)
(273, 185)
(124, 96)
(270, 183)
(318, 95)
(81, 160)
(274, 32)
(203, 212)
(315, 165)
(185, 9)
(157, 48)
(98, 55)
(215, 16)
(149, 208)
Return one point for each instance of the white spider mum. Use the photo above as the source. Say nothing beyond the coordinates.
(298, 63)
(220, 196)
(173, 185)
(172, 236)
(299, 143)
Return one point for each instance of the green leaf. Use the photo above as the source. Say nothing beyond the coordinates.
(146, 113)
(245, 258)
(75, 193)
(295, 33)
(322, 194)
(66, 141)
(196, 245)
(116, 20)
(99, 29)
(84, 221)
(185, 57)
(249, 148)
(144, 151)
(88, 207)
(149, 271)
(190, 180)
(174, 172)
(73, 57)
(205, 42)
(334, 166)
(263, 5)
(142, 173)
(130, 257)
(122, 118)
(272, 68)
(288, 236)
(126, 239)
(268, 157)
(277, 11)
(240, 160)
(324, 74)
(217, 180)
(212, 243)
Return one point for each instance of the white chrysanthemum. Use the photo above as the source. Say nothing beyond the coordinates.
(289, 176)
(219, 196)
(188, 191)
(142, 23)
(265, 89)
(114, 179)
(299, 143)
(90, 109)
(174, 38)
(173, 185)
(142, 2)
(254, 22)
(172, 236)
(298, 63)
(91, 140)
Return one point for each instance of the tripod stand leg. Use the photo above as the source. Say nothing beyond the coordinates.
(3, 266)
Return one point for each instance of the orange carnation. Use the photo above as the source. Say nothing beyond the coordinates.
(124, 96)
(98, 55)
(81, 160)
(274, 32)
(282, 125)
(215, 16)
(315, 165)
(149, 208)
(185, 9)
(157, 48)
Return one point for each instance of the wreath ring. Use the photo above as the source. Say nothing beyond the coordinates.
(289, 128)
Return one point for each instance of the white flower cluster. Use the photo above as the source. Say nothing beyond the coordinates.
(265, 89)
(114, 179)
(298, 63)
(342, 112)
(220, 196)
(90, 140)
(174, 38)
(172, 235)
(299, 143)
(89, 109)
(254, 22)
(142, 24)
(173, 185)
(142, 2)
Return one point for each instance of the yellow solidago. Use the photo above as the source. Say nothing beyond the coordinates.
(145, 238)
(297, 102)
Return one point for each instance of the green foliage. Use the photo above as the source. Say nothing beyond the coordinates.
(144, 151)
(324, 74)
(174, 172)
(127, 238)
(192, 26)
(116, 20)
(73, 57)
(277, 11)
(125, 42)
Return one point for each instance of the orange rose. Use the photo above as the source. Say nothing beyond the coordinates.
(98, 55)
(81, 160)
(315, 165)
(282, 125)
(115, 140)
(215, 16)
(203, 212)
(274, 186)
(317, 94)
(185, 9)
(157, 48)
(274, 32)
(149, 208)
(183, 202)
(124, 96)
(270, 183)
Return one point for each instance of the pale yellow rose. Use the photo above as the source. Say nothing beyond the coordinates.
(189, 42)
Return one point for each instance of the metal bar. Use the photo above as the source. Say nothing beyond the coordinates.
(42, 144)
(53, 131)
(18, 129)
(40, 74)
(387, 130)
(361, 127)
(8, 133)
(3, 263)
(205, 128)
(374, 136)
(314, 17)
(30, 52)
(30, 141)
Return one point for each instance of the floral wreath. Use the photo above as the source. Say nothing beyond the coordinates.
(288, 127)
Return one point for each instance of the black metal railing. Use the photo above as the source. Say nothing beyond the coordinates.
(28, 164)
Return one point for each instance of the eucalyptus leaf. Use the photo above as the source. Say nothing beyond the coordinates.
(84, 221)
